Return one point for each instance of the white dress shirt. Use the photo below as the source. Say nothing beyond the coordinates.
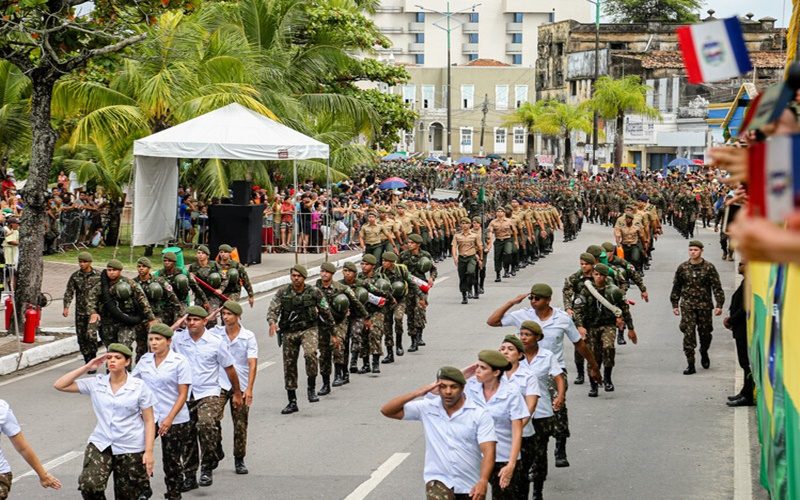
(206, 357)
(505, 405)
(119, 416)
(543, 366)
(8, 427)
(555, 328)
(242, 348)
(528, 385)
(452, 443)
(163, 381)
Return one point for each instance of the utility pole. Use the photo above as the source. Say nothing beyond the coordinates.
(448, 16)
(484, 110)
(595, 117)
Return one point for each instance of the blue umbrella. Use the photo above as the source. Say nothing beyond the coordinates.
(466, 159)
(393, 183)
(680, 162)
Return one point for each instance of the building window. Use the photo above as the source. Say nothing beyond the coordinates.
(516, 58)
(500, 140)
(428, 94)
(517, 17)
(520, 94)
(551, 17)
(516, 38)
(467, 96)
(573, 88)
(472, 57)
(409, 141)
(501, 97)
(519, 140)
(473, 38)
(559, 49)
(473, 17)
(466, 139)
(419, 37)
(618, 46)
(420, 17)
(419, 59)
(409, 95)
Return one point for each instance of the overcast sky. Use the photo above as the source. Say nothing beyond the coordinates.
(779, 9)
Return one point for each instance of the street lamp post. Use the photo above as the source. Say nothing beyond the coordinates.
(595, 117)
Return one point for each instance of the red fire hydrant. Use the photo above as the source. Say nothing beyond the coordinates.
(9, 304)
(32, 317)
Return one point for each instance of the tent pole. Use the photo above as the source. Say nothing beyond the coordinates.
(131, 189)
(328, 219)
(296, 214)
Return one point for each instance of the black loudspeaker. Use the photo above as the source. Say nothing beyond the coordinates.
(238, 226)
(241, 192)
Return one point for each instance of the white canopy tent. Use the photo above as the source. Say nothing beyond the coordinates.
(232, 132)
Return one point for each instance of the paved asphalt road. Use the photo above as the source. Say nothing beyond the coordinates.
(660, 435)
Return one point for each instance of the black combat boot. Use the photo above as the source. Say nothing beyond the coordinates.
(580, 379)
(388, 359)
(414, 346)
(206, 477)
(561, 452)
(376, 364)
(705, 361)
(365, 367)
(353, 362)
(690, 369)
(592, 389)
(538, 486)
(420, 343)
(338, 378)
(312, 390)
(497, 279)
(326, 386)
(292, 406)
(241, 468)
(464, 298)
(608, 385)
(345, 374)
(621, 337)
(398, 343)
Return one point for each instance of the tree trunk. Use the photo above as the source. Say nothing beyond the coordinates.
(619, 141)
(32, 223)
(530, 153)
(567, 153)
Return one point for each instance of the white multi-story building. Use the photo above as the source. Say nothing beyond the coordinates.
(502, 30)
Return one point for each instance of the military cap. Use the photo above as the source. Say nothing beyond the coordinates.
(595, 250)
(696, 243)
(170, 256)
(608, 246)
(532, 327)
(204, 249)
(122, 349)
(602, 269)
(389, 256)
(233, 306)
(401, 205)
(629, 216)
(588, 258)
(494, 359)
(465, 220)
(373, 213)
(351, 266)
(476, 219)
(114, 264)
(328, 266)
(196, 311)
(300, 269)
(416, 238)
(225, 248)
(542, 290)
(369, 259)
(513, 339)
(451, 373)
(162, 329)
(85, 257)
(145, 262)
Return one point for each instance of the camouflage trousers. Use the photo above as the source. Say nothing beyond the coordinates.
(87, 341)
(600, 340)
(111, 332)
(358, 336)
(173, 449)
(696, 323)
(534, 448)
(5, 485)
(437, 490)
(415, 314)
(291, 351)
(205, 430)
(142, 330)
(375, 334)
(512, 491)
(130, 475)
(561, 419)
(329, 347)
(239, 417)
(393, 320)
(214, 302)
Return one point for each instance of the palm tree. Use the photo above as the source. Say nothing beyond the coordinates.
(528, 115)
(614, 98)
(15, 92)
(560, 119)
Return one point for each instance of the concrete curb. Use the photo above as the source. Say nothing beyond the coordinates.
(46, 352)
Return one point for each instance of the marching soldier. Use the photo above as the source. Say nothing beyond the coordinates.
(419, 263)
(356, 326)
(402, 287)
(372, 234)
(164, 303)
(181, 282)
(208, 271)
(234, 276)
(503, 235)
(294, 314)
(573, 285)
(79, 285)
(378, 307)
(468, 258)
(624, 273)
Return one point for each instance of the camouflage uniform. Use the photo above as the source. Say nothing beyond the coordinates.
(624, 273)
(5, 485)
(327, 348)
(233, 288)
(117, 329)
(394, 315)
(512, 490)
(204, 414)
(415, 311)
(173, 445)
(130, 475)
(543, 428)
(692, 288)
(296, 316)
(355, 329)
(200, 298)
(600, 323)
(167, 309)
(203, 272)
(78, 286)
(437, 490)
(240, 418)
(372, 339)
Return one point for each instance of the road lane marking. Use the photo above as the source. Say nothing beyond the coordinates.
(265, 364)
(742, 476)
(376, 477)
(443, 278)
(262, 297)
(32, 374)
(52, 464)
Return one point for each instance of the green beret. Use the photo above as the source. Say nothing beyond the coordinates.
(532, 327)
(389, 256)
(328, 266)
(416, 238)
(513, 339)
(85, 257)
(170, 256)
(162, 329)
(145, 262)
(204, 249)
(696, 243)
(595, 250)
(369, 259)
(602, 269)
(122, 349)
(451, 373)
(196, 311)
(300, 269)
(608, 246)
(588, 258)
(494, 359)
(225, 248)
(351, 266)
(114, 264)
(233, 307)
(542, 290)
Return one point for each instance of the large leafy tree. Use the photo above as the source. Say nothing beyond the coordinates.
(614, 98)
(641, 11)
(561, 119)
(528, 116)
(15, 131)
